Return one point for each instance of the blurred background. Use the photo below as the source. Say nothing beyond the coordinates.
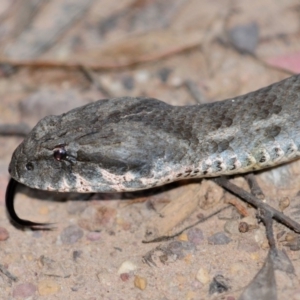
(59, 54)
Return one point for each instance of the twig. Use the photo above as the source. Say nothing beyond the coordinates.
(254, 187)
(14, 129)
(89, 74)
(165, 238)
(266, 217)
(240, 208)
(102, 66)
(194, 91)
(274, 214)
(7, 273)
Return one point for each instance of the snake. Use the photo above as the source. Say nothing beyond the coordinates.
(129, 144)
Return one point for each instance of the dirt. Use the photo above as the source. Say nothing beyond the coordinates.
(97, 249)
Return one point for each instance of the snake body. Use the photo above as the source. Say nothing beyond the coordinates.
(127, 144)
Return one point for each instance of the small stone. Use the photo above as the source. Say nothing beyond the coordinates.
(244, 38)
(76, 255)
(54, 268)
(284, 203)
(176, 81)
(248, 245)
(183, 237)
(291, 236)
(24, 290)
(48, 287)
(231, 227)
(294, 245)
(124, 276)
(93, 236)
(219, 238)
(265, 245)
(4, 235)
(219, 285)
(128, 82)
(190, 295)
(142, 76)
(140, 282)
(44, 210)
(203, 276)
(164, 73)
(104, 276)
(195, 236)
(127, 267)
(243, 227)
(260, 236)
(71, 234)
(180, 248)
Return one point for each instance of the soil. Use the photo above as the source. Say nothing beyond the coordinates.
(57, 55)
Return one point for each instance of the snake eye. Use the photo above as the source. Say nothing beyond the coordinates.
(29, 166)
(60, 154)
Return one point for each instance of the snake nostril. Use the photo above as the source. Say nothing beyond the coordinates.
(29, 166)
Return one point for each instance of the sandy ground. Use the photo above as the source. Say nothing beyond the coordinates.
(161, 49)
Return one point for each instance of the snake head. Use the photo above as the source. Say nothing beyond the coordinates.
(106, 146)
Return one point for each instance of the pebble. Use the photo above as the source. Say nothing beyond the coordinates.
(180, 248)
(76, 255)
(71, 234)
(203, 276)
(142, 76)
(140, 282)
(260, 236)
(195, 236)
(244, 38)
(4, 235)
(44, 210)
(54, 268)
(248, 245)
(93, 236)
(104, 276)
(124, 276)
(48, 287)
(190, 295)
(284, 203)
(218, 285)
(294, 245)
(183, 237)
(127, 267)
(128, 82)
(219, 238)
(164, 73)
(243, 227)
(231, 227)
(24, 290)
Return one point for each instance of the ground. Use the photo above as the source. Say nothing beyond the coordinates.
(56, 55)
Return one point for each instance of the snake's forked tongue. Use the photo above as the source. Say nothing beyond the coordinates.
(9, 202)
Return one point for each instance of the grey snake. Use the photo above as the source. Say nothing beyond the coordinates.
(128, 144)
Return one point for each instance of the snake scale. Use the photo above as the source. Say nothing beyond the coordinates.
(128, 144)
